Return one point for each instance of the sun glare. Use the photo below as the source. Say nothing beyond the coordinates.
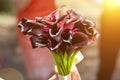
(117, 2)
(112, 4)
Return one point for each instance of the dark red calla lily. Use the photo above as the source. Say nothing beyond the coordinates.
(60, 33)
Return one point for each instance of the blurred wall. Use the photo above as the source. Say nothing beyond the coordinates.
(6, 6)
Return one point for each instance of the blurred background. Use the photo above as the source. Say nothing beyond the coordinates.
(10, 50)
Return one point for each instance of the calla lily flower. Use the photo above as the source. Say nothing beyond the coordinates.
(63, 34)
(60, 33)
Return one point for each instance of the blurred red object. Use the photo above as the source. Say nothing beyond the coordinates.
(36, 8)
(39, 62)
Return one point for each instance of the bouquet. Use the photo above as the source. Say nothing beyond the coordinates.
(64, 34)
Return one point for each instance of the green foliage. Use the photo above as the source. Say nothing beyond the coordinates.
(64, 62)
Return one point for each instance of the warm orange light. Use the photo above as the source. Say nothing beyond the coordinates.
(112, 3)
(117, 2)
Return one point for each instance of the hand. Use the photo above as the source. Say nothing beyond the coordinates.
(74, 75)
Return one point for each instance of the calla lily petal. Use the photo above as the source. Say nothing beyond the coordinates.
(79, 40)
(60, 33)
(39, 41)
(22, 25)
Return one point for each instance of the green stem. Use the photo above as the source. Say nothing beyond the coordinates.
(64, 62)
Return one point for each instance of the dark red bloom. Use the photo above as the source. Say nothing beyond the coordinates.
(60, 33)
